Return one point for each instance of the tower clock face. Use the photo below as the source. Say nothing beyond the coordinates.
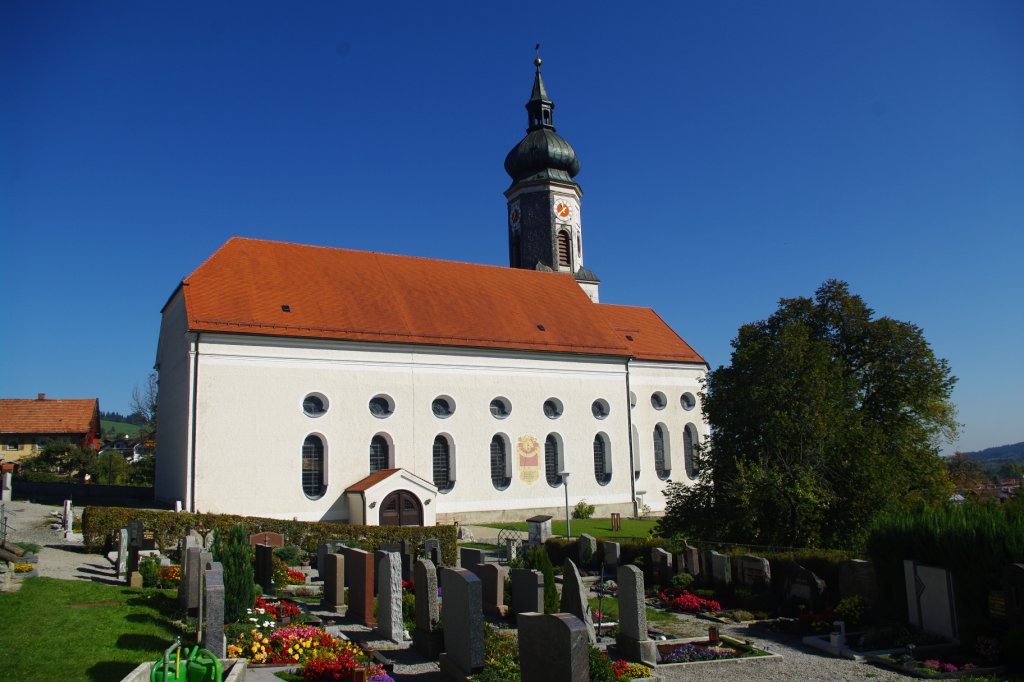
(563, 209)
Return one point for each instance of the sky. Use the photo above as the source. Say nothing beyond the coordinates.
(733, 153)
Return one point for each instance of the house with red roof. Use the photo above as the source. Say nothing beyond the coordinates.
(318, 383)
(26, 425)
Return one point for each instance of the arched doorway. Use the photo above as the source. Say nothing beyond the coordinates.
(401, 508)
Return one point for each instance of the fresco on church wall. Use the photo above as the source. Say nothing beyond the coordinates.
(528, 452)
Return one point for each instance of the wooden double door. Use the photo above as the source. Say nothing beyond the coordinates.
(401, 508)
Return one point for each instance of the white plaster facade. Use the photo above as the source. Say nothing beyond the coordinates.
(232, 423)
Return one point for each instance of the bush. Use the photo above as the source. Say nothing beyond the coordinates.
(289, 554)
(538, 560)
(601, 669)
(239, 590)
(582, 510)
(149, 567)
(683, 580)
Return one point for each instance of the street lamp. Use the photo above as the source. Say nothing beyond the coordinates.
(565, 484)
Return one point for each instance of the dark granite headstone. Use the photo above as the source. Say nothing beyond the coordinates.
(586, 552)
(213, 610)
(426, 637)
(754, 572)
(471, 557)
(527, 591)
(553, 648)
(432, 551)
(492, 587)
(332, 570)
(661, 566)
(463, 621)
(266, 538)
(691, 560)
(265, 568)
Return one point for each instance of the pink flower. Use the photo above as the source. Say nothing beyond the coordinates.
(948, 668)
(931, 664)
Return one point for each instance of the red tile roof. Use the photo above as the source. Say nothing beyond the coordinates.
(646, 335)
(371, 480)
(261, 287)
(47, 415)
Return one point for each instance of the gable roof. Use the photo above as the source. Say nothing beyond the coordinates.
(646, 335)
(254, 286)
(47, 415)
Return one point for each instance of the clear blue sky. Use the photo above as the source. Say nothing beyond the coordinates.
(733, 153)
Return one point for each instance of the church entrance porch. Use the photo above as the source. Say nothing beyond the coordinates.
(401, 508)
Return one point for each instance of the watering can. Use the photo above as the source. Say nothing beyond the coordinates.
(197, 665)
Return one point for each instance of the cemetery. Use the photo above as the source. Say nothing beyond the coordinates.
(344, 602)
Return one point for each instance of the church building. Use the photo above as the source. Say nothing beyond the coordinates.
(328, 384)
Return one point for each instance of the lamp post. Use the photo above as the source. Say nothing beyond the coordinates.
(565, 484)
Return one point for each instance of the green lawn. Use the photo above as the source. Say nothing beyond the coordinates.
(76, 630)
(120, 427)
(599, 528)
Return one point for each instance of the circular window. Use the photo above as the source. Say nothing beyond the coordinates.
(658, 400)
(314, 405)
(501, 408)
(381, 406)
(553, 408)
(442, 407)
(600, 409)
(688, 401)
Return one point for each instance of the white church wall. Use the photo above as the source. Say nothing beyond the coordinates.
(250, 425)
(174, 367)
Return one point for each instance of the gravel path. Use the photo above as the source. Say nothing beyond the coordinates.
(68, 560)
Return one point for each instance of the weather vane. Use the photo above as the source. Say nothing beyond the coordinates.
(537, 61)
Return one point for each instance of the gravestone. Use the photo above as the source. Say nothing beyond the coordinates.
(492, 588)
(202, 538)
(857, 579)
(359, 576)
(463, 622)
(265, 568)
(7, 486)
(432, 551)
(721, 568)
(633, 641)
(268, 538)
(661, 567)
(389, 603)
(512, 549)
(323, 550)
(553, 648)
(408, 554)
(586, 548)
(190, 587)
(527, 591)
(122, 554)
(802, 586)
(611, 556)
(69, 517)
(574, 598)
(538, 530)
(1013, 590)
(332, 570)
(754, 572)
(135, 531)
(931, 603)
(469, 557)
(426, 637)
(213, 609)
(691, 560)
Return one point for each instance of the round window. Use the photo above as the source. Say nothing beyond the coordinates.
(381, 406)
(442, 407)
(552, 408)
(600, 409)
(688, 401)
(658, 400)
(314, 405)
(501, 408)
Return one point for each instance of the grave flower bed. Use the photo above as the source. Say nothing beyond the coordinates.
(678, 599)
(697, 651)
(938, 667)
(299, 645)
(169, 576)
(274, 610)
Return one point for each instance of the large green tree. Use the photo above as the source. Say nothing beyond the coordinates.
(826, 417)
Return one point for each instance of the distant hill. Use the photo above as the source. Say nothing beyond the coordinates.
(1001, 453)
(119, 427)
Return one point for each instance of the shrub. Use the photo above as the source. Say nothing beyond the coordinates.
(538, 560)
(236, 557)
(851, 610)
(149, 567)
(681, 580)
(601, 669)
(582, 510)
(289, 554)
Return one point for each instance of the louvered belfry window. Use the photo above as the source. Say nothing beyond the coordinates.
(563, 249)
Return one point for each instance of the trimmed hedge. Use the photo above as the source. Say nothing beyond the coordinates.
(101, 524)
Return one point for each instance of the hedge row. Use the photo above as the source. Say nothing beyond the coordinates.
(100, 526)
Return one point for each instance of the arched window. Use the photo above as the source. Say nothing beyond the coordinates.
(552, 455)
(563, 249)
(380, 457)
(501, 474)
(313, 467)
(442, 464)
(661, 461)
(602, 467)
(689, 438)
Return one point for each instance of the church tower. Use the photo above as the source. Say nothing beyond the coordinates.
(544, 226)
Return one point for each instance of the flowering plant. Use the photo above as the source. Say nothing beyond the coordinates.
(337, 668)
(624, 670)
(690, 652)
(169, 576)
(297, 645)
(682, 600)
(23, 568)
(276, 610)
(296, 577)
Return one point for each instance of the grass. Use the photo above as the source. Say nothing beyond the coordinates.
(76, 630)
(120, 427)
(480, 545)
(660, 620)
(599, 528)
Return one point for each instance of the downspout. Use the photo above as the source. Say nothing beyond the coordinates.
(629, 436)
(195, 399)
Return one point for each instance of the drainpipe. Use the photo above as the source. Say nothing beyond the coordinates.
(629, 436)
(195, 411)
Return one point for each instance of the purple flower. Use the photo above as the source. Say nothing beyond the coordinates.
(948, 668)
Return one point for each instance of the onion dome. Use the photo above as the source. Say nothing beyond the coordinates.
(543, 153)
